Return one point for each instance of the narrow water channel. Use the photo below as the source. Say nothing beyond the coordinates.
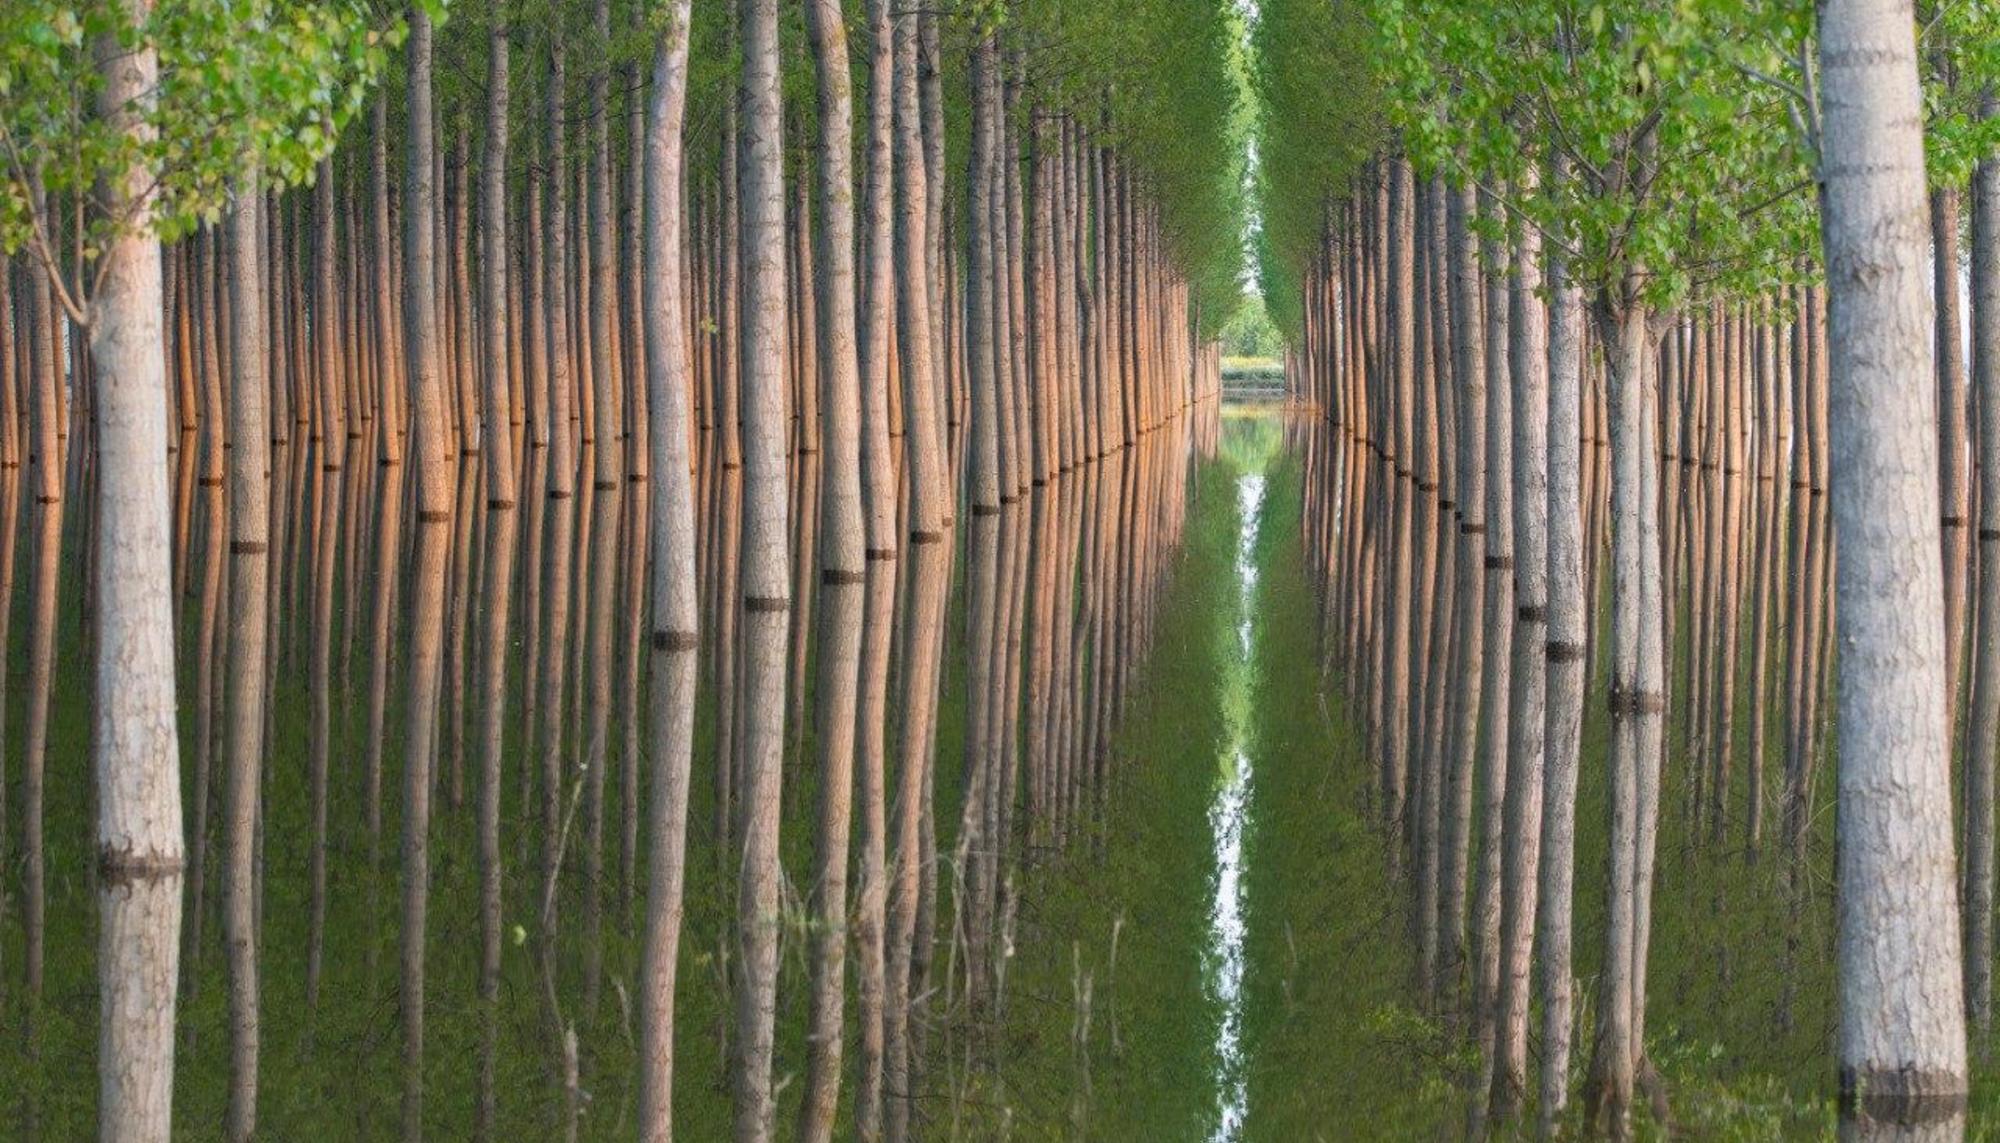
(1228, 815)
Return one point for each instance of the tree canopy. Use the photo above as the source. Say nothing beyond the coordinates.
(268, 83)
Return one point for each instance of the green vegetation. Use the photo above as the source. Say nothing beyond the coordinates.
(269, 81)
(1250, 331)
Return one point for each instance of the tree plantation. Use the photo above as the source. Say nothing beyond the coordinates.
(995, 569)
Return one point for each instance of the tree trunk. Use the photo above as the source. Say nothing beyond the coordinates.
(435, 491)
(1953, 450)
(671, 693)
(1500, 635)
(1976, 896)
(764, 581)
(1469, 368)
(249, 533)
(1902, 1030)
(562, 471)
(878, 474)
(1521, 857)
(134, 741)
(929, 582)
(1568, 618)
(1637, 709)
(502, 523)
(842, 555)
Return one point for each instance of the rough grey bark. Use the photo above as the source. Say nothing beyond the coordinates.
(1637, 706)
(1902, 1030)
(675, 594)
(1469, 369)
(1521, 857)
(1495, 699)
(1568, 618)
(764, 581)
(134, 744)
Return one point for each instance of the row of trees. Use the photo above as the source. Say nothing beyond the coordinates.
(689, 411)
(1641, 294)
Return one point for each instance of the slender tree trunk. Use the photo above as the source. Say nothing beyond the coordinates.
(842, 555)
(878, 475)
(764, 581)
(562, 472)
(1469, 368)
(1638, 714)
(606, 500)
(929, 582)
(1976, 897)
(1521, 858)
(1399, 385)
(1568, 617)
(983, 482)
(1500, 634)
(45, 581)
(249, 558)
(435, 492)
(502, 523)
(331, 446)
(1953, 446)
(675, 600)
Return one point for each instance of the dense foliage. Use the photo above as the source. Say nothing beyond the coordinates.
(271, 82)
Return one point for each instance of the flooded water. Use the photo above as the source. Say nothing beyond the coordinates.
(1218, 947)
(528, 978)
(1228, 818)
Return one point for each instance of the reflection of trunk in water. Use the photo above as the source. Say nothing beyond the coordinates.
(452, 731)
(319, 677)
(12, 488)
(207, 645)
(561, 487)
(606, 508)
(497, 451)
(534, 475)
